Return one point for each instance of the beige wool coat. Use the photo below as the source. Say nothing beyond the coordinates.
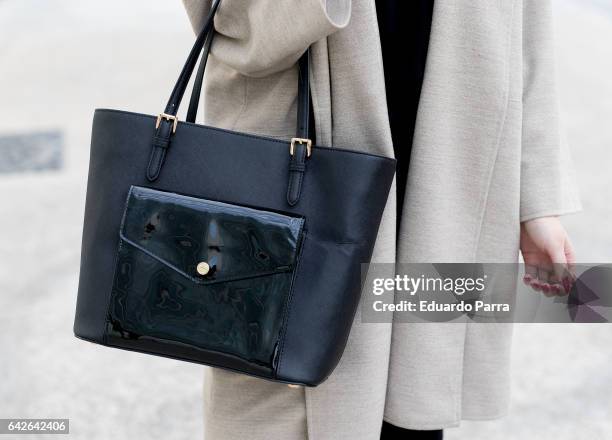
(487, 154)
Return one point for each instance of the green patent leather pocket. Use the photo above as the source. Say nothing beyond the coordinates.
(202, 273)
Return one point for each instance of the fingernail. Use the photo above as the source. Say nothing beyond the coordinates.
(567, 284)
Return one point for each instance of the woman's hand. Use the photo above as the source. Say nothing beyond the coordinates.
(548, 254)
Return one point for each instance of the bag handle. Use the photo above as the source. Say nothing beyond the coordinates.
(167, 122)
(196, 91)
(303, 118)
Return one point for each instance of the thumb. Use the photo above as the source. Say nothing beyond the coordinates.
(570, 256)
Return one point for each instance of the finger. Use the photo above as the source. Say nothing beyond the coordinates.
(568, 249)
(559, 260)
(558, 289)
(535, 284)
(554, 282)
(543, 278)
(570, 256)
(531, 273)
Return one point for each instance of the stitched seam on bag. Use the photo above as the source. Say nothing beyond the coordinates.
(295, 183)
(159, 152)
(248, 135)
(110, 296)
(160, 162)
(155, 157)
(290, 197)
(335, 243)
(211, 350)
(189, 201)
(161, 142)
(289, 303)
(298, 186)
(149, 173)
(292, 193)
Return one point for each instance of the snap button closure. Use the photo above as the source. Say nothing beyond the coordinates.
(203, 268)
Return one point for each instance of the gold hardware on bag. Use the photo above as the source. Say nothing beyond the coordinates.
(203, 268)
(167, 117)
(308, 143)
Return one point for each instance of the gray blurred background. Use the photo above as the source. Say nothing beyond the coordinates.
(60, 59)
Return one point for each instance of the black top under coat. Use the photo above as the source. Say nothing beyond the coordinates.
(404, 34)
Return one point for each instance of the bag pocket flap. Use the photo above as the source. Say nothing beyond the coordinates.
(208, 241)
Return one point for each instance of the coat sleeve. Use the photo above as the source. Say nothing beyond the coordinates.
(548, 185)
(261, 37)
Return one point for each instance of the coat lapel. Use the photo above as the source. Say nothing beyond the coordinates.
(459, 128)
(460, 119)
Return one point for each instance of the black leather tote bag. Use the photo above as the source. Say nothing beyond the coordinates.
(223, 248)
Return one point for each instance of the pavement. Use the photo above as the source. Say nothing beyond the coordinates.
(59, 60)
